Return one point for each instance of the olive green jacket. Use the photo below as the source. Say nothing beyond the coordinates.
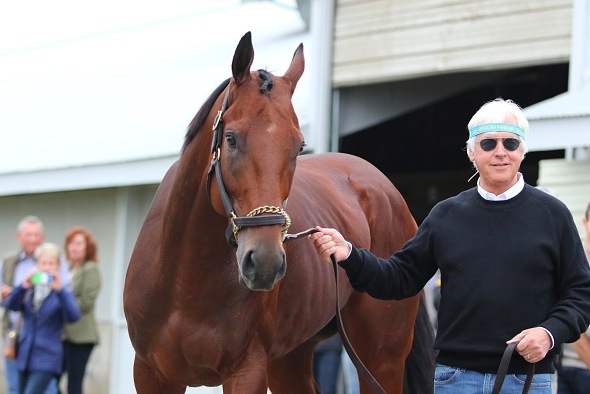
(85, 286)
(9, 261)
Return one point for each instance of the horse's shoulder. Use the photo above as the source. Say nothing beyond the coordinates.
(151, 229)
(163, 192)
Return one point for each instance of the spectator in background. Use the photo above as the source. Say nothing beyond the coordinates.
(573, 375)
(81, 336)
(45, 306)
(14, 268)
(326, 364)
(350, 375)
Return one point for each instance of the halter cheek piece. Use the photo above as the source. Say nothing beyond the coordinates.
(252, 219)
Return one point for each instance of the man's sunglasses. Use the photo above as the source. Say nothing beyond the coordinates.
(489, 144)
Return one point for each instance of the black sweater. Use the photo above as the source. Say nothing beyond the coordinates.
(505, 266)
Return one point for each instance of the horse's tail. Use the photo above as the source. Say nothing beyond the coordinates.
(419, 370)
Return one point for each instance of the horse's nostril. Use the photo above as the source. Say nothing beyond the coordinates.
(249, 267)
(261, 269)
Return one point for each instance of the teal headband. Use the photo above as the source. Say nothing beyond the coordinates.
(495, 127)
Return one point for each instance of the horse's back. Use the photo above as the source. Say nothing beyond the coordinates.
(356, 198)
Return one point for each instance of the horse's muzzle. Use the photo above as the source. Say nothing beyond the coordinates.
(261, 270)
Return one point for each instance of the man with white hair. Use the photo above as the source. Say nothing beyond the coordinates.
(512, 266)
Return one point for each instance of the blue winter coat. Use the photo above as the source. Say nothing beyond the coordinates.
(40, 337)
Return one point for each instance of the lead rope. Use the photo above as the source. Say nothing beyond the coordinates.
(504, 368)
(360, 367)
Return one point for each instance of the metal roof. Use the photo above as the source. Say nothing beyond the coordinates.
(566, 105)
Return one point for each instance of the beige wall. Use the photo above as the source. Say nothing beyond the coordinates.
(387, 40)
(115, 216)
(570, 180)
(95, 209)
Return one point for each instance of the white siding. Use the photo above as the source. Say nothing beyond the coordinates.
(387, 40)
(570, 180)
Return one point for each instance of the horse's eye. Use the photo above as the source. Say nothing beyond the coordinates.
(301, 149)
(230, 137)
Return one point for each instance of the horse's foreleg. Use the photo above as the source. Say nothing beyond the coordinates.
(249, 378)
(148, 381)
(292, 373)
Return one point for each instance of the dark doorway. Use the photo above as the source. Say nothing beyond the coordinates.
(423, 153)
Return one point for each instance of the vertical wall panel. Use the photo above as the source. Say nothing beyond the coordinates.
(387, 40)
(570, 180)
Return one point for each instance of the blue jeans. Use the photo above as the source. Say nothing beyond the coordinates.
(35, 382)
(11, 376)
(452, 380)
(326, 366)
(351, 378)
(572, 380)
(12, 379)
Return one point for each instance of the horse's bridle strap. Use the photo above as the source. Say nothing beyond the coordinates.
(215, 166)
(253, 221)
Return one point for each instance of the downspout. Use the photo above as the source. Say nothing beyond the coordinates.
(579, 70)
(322, 36)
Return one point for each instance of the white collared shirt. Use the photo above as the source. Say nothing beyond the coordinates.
(507, 195)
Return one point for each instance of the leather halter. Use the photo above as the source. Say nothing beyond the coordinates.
(277, 215)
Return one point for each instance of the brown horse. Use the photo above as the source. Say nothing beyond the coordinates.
(201, 312)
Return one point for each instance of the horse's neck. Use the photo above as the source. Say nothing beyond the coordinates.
(194, 234)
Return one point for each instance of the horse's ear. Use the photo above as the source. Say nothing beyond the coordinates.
(243, 58)
(296, 67)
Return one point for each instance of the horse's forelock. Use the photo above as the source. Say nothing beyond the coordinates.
(266, 82)
(266, 85)
(200, 117)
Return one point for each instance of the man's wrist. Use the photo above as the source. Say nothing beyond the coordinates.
(349, 249)
(550, 336)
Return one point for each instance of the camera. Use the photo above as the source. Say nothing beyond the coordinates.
(41, 278)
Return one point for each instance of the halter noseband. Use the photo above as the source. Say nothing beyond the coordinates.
(277, 214)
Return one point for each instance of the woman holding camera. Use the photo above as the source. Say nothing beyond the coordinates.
(45, 305)
(81, 337)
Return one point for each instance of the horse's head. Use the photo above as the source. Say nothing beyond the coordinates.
(255, 151)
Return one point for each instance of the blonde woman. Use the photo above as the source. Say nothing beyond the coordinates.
(81, 337)
(45, 306)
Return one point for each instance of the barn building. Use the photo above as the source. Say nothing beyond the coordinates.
(94, 111)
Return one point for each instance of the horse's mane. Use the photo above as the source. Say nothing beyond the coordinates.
(200, 117)
(266, 85)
